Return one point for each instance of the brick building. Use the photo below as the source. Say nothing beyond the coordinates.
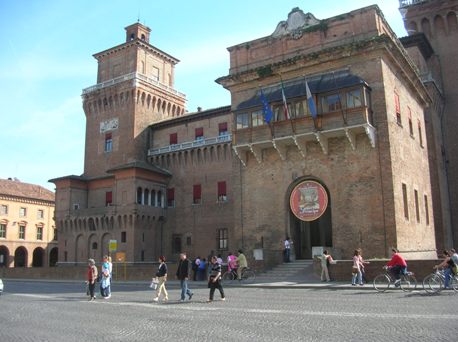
(356, 173)
(28, 236)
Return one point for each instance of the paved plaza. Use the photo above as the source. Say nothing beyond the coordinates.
(60, 311)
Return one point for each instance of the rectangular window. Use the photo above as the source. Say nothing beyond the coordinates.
(40, 214)
(22, 212)
(3, 230)
(331, 103)
(222, 195)
(155, 73)
(420, 136)
(222, 128)
(171, 197)
(404, 198)
(22, 232)
(123, 237)
(54, 237)
(197, 194)
(108, 198)
(409, 113)
(176, 244)
(188, 241)
(242, 121)
(426, 210)
(108, 142)
(173, 138)
(417, 207)
(257, 118)
(300, 109)
(3, 209)
(199, 133)
(354, 99)
(397, 108)
(39, 233)
(221, 237)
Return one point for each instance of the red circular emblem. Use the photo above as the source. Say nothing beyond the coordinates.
(308, 200)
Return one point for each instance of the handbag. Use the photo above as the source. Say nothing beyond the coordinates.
(154, 283)
(354, 270)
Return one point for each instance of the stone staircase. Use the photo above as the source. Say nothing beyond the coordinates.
(298, 270)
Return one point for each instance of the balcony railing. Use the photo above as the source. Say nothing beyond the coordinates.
(407, 3)
(133, 76)
(191, 144)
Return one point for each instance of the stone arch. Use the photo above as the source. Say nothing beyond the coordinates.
(159, 104)
(426, 27)
(20, 257)
(38, 257)
(452, 25)
(439, 25)
(153, 197)
(112, 223)
(116, 100)
(104, 244)
(53, 256)
(159, 200)
(153, 104)
(119, 221)
(164, 104)
(173, 110)
(93, 247)
(121, 98)
(412, 27)
(143, 98)
(146, 196)
(139, 195)
(110, 101)
(148, 100)
(4, 256)
(169, 106)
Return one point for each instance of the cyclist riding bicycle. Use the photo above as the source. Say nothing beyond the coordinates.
(242, 264)
(397, 266)
(447, 265)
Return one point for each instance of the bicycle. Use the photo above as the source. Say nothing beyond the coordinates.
(383, 281)
(248, 275)
(434, 282)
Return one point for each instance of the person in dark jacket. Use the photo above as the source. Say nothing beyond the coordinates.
(183, 276)
(161, 275)
(214, 280)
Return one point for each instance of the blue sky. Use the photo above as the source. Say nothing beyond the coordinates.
(46, 60)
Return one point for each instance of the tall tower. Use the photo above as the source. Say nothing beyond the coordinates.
(437, 19)
(134, 89)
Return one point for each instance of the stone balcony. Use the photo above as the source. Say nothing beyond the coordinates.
(226, 138)
(298, 132)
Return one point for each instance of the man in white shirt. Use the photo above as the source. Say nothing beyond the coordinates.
(287, 249)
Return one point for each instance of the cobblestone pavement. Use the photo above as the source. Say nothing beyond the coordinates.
(53, 311)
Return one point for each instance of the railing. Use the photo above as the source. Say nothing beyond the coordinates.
(191, 144)
(407, 3)
(133, 76)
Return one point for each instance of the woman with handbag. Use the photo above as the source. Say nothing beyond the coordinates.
(356, 269)
(161, 275)
(214, 279)
(92, 274)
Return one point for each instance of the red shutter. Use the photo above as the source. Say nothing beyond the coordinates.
(397, 103)
(173, 139)
(197, 191)
(108, 197)
(199, 132)
(222, 127)
(171, 194)
(222, 189)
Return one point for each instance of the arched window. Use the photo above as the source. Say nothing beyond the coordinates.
(426, 27)
(132, 36)
(147, 197)
(153, 198)
(452, 22)
(143, 37)
(159, 199)
(139, 195)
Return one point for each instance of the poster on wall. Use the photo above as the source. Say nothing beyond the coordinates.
(308, 200)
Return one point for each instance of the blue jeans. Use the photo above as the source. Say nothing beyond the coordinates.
(357, 277)
(184, 289)
(447, 273)
(397, 270)
(287, 254)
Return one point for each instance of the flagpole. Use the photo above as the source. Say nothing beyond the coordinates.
(344, 115)
(286, 105)
(311, 104)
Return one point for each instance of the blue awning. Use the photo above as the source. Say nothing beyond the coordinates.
(296, 87)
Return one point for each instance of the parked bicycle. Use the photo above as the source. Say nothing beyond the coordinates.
(383, 281)
(248, 276)
(434, 282)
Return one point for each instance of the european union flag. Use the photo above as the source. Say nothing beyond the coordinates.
(268, 115)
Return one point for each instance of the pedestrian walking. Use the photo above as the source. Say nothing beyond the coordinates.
(363, 264)
(105, 279)
(92, 274)
(326, 260)
(356, 269)
(202, 269)
(183, 275)
(214, 280)
(287, 250)
(195, 267)
(161, 275)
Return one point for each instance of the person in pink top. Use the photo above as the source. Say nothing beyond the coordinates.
(397, 266)
(231, 262)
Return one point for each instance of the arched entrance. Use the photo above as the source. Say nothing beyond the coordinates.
(310, 216)
(38, 254)
(4, 256)
(53, 255)
(20, 257)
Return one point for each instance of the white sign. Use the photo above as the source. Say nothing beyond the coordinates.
(109, 125)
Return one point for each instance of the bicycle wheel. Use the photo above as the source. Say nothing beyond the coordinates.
(248, 276)
(408, 282)
(433, 283)
(228, 277)
(454, 283)
(381, 283)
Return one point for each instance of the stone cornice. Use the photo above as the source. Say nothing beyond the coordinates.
(26, 200)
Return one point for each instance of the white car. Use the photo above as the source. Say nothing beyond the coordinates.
(1, 286)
